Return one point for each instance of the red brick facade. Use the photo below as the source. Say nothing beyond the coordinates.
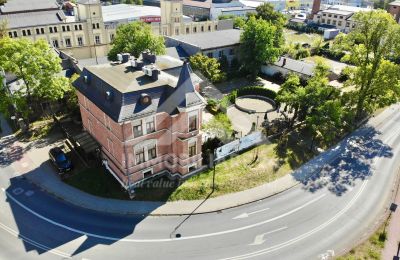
(171, 138)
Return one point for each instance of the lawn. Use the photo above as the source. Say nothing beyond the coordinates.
(98, 182)
(252, 168)
(370, 249)
(299, 37)
(243, 172)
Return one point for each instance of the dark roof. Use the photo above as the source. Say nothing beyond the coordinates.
(297, 66)
(184, 95)
(125, 87)
(40, 18)
(18, 6)
(211, 40)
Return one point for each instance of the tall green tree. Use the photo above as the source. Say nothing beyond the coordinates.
(219, 126)
(239, 22)
(3, 28)
(134, 38)
(267, 12)
(38, 66)
(209, 67)
(257, 45)
(290, 95)
(377, 80)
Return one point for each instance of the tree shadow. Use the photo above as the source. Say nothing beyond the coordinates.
(353, 159)
(10, 151)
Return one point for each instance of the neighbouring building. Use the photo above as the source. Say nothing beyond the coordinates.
(81, 33)
(211, 10)
(394, 10)
(234, 8)
(212, 44)
(355, 3)
(86, 29)
(285, 65)
(146, 114)
(338, 16)
(279, 5)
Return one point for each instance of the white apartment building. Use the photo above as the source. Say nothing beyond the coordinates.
(85, 32)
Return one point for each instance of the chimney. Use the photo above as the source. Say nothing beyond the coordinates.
(315, 8)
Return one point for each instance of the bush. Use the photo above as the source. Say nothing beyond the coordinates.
(257, 90)
(228, 100)
(278, 76)
(302, 53)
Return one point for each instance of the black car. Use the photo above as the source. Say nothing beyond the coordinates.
(60, 160)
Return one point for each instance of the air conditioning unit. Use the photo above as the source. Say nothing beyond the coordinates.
(133, 63)
(86, 79)
(119, 57)
(147, 71)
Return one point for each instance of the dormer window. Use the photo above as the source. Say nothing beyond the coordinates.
(145, 100)
(109, 95)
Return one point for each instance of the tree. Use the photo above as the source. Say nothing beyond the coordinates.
(239, 22)
(257, 45)
(209, 67)
(369, 46)
(3, 28)
(290, 95)
(267, 12)
(72, 97)
(219, 126)
(36, 64)
(135, 38)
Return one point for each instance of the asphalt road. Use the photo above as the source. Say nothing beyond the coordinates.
(318, 218)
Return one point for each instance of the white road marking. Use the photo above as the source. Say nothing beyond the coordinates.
(246, 215)
(161, 239)
(305, 235)
(259, 239)
(34, 243)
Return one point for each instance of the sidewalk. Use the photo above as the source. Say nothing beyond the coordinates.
(391, 248)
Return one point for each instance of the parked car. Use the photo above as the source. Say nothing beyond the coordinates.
(60, 160)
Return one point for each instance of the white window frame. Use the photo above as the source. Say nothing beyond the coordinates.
(80, 43)
(146, 170)
(145, 145)
(190, 114)
(192, 165)
(191, 141)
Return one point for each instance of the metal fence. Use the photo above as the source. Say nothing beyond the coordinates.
(239, 145)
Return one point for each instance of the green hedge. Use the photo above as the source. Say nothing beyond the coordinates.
(257, 90)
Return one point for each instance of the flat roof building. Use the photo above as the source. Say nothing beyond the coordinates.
(213, 44)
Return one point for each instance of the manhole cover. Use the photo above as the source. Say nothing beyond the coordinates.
(178, 235)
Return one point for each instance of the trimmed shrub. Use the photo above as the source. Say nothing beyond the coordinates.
(257, 90)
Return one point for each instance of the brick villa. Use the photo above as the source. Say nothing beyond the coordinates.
(146, 115)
